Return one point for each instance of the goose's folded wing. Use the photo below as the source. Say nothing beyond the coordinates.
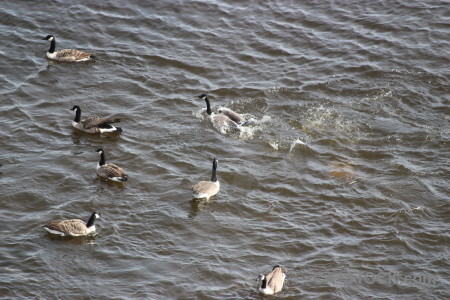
(72, 55)
(111, 170)
(93, 122)
(205, 187)
(74, 226)
(221, 120)
(234, 116)
(276, 279)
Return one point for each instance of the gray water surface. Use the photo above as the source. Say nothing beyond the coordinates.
(343, 180)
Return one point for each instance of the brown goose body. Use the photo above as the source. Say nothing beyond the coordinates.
(94, 124)
(110, 171)
(222, 121)
(69, 55)
(232, 115)
(273, 282)
(73, 227)
(66, 55)
(223, 124)
(207, 189)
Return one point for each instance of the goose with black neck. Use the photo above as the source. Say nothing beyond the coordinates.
(207, 189)
(109, 171)
(226, 120)
(94, 124)
(73, 227)
(66, 55)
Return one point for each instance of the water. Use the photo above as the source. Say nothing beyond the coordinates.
(343, 181)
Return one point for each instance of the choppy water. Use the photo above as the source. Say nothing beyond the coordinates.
(343, 181)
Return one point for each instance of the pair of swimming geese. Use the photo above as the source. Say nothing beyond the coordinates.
(225, 121)
(269, 284)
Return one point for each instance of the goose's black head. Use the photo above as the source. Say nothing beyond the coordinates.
(100, 150)
(261, 277)
(49, 37)
(92, 218)
(202, 96)
(75, 107)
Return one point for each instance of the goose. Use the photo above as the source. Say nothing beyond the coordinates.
(226, 120)
(207, 189)
(272, 283)
(109, 171)
(66, 55)
(94, 124)
(73, 227)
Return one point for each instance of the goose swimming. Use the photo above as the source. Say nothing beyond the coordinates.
(226, 120)
(94, 124)
(109, 171)
(66, 55)
(272, 283)
(207, 189)
(73, 227)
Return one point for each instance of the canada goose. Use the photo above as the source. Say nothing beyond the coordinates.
(109, 171)
(93, 124)
(272, 283)
(207, 189)
(73, 227)
(66, 55)
(224, 121)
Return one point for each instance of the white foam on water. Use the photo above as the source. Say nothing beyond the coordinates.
(274, 144)
(295, 143)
